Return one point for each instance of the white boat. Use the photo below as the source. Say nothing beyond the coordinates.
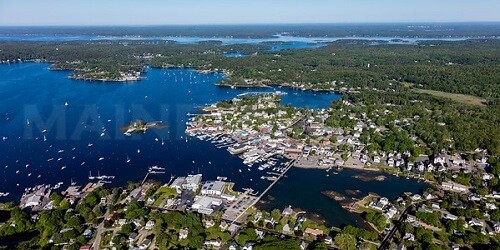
(90, 176)
(128, 159)
(66, 104)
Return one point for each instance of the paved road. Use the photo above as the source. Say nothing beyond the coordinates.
(99, 231)
(387, 240)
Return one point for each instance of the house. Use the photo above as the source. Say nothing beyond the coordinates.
(475, 223)
(440, 159)
(410, 219)
(208, 223)
(496, 227)
(269, 219)
(85, 247)
(286, 229)
(389, 213)
(435, 205)
(215, 243)
(487, 177)
(452, 186)
(328, 240)
(258, 217)
(233, 246)
(132, 237)
(223, 226)
(122, 222)
(416, 197)
(409, 237)
(248, 246)
(491, 206)
(313, 232)
(428, 196)
(183, 233)
(474, 197)
(145, 244)
(88, 233)
(33, 201)
(379, 204)
(287, 211)
(149, 225)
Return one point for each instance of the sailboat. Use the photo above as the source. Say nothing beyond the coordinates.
(90, 176)
(128, 159)
(162, 142)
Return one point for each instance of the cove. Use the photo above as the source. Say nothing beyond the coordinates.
(33, 98)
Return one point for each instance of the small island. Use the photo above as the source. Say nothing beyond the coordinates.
(140, 126)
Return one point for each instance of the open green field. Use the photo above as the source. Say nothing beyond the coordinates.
(466, 99)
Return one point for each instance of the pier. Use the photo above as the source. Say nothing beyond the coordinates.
(288, 166)
(247, 200)
(145, 178)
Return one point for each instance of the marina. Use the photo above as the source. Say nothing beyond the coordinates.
(73, 152)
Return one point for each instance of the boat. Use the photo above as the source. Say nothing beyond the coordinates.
(162, 142)
(90, 176)
(66, 104)
(128, 159)
(156, 168)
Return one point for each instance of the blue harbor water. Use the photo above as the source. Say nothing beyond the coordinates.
(234, 54)
(276, 43)
(308, 184)
(32, 99)
(83, 123)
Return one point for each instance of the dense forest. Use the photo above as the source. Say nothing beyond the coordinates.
(468, 67)
(265, 31)
(379, 74)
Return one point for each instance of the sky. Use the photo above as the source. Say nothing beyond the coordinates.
(175, 12)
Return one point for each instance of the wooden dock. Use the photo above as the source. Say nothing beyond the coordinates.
(145, 178)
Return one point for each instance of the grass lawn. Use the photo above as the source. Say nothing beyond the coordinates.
(466, 99)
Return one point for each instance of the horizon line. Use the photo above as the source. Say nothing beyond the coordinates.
(250, 24)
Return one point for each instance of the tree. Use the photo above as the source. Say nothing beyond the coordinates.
(127, 229)
(345, 241)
